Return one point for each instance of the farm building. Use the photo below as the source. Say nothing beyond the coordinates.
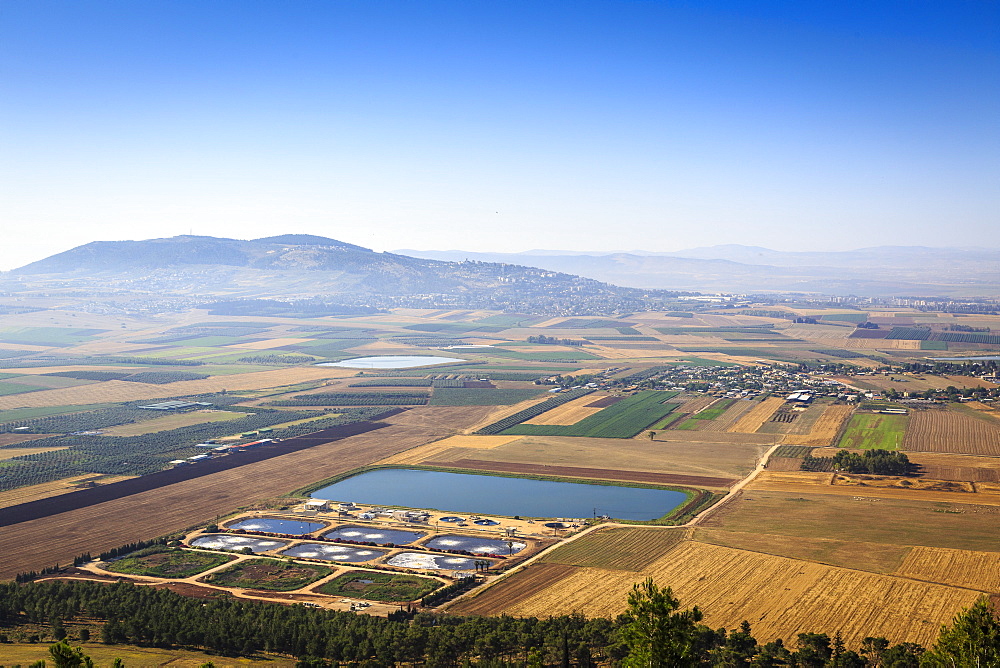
(317, 505)
(799, 397)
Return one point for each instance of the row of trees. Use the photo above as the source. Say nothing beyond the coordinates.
(878, 462)
(654, 632)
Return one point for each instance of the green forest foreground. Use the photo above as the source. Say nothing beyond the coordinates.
(654, 632)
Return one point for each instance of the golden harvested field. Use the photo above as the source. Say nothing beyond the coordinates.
(962, 568)
(950, 431)
(757, 416)
(10, 453)
(447, 445)
(171, 422)
(268, 343)
(824, 430)
(780, 597)
(871, 557)
(106, 525)
(569, 413)
(119, 390)
(723, 460)
(624, 549)
(46, 489)
(965, 523)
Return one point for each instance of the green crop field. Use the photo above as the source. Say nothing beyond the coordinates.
(17, 388)
(165, 562)
(388, 587)
(447, 396)
(48, 336)
(624, 419)
(873, 430)
(15, 414)
(717, 409)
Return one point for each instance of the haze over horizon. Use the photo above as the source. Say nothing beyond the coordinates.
(568, 126)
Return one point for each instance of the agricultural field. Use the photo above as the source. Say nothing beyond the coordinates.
(962, 568)
(167, 563)
(944, 466)
(186, 503)
(824, 430)
(624, 419)
(727, 584)
(862, 516)
(569, 413)
(447, 396)
(719, 460)
(871, 557)
(755, 418)
(172, 421)
(10, 453)
(45, 490)
(268, 574)
(867, 431)
(952, 431)
(624, 549)
(375, 586)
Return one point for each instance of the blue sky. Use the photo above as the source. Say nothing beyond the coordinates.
(503, 125)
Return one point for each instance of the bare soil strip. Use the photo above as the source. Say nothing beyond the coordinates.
(579, 472)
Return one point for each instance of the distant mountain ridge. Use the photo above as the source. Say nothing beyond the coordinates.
(300, 266)
(876, 271)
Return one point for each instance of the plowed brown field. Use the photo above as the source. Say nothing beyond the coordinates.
(514, 589)
(949, 431)
(594, 474)
(944, 466)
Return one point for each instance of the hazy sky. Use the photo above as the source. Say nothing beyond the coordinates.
(501, 125)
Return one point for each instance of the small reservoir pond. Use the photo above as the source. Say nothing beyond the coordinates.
(495, 495)
(275, 525)
(475, 545)
(372, 535)
(332, 552)
(230, 542)
(392, 362)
